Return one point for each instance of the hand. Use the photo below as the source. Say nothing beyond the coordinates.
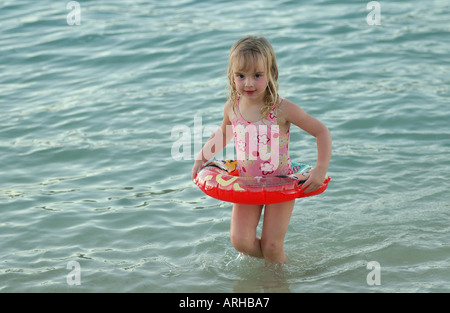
(314, 179)
(198, 164)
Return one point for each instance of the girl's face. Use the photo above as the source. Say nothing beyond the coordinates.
(251, 82)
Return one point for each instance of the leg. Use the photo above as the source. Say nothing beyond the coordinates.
(244, 220)
(276, 222)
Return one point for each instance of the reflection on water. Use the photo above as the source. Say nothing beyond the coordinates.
(254, 276)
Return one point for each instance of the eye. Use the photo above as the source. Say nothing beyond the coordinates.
(258, 75)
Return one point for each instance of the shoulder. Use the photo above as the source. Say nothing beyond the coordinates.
(288, 109)
(289, 106)
(228, 105)
(228, 111)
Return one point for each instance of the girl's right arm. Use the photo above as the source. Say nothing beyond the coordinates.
(216, 142)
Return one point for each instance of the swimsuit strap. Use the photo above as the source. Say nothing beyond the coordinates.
(274, 119)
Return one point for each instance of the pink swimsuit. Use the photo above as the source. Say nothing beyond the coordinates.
(262, 149)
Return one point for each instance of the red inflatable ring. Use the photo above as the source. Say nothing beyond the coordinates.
(221, 180)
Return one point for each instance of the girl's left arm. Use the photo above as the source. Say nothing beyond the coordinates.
(295, 115)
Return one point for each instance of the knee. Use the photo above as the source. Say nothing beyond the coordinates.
(272, 249)
(242, 244)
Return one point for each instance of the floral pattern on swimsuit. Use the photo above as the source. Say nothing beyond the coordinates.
(262, 149)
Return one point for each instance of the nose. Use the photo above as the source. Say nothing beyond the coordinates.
(248, 82)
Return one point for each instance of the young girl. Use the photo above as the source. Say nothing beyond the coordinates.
(254, 100)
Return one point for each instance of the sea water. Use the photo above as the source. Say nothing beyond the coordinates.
(92, 198)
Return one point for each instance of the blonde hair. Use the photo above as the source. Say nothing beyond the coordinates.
(247, 52)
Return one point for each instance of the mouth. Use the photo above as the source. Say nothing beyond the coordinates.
(250, 92)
